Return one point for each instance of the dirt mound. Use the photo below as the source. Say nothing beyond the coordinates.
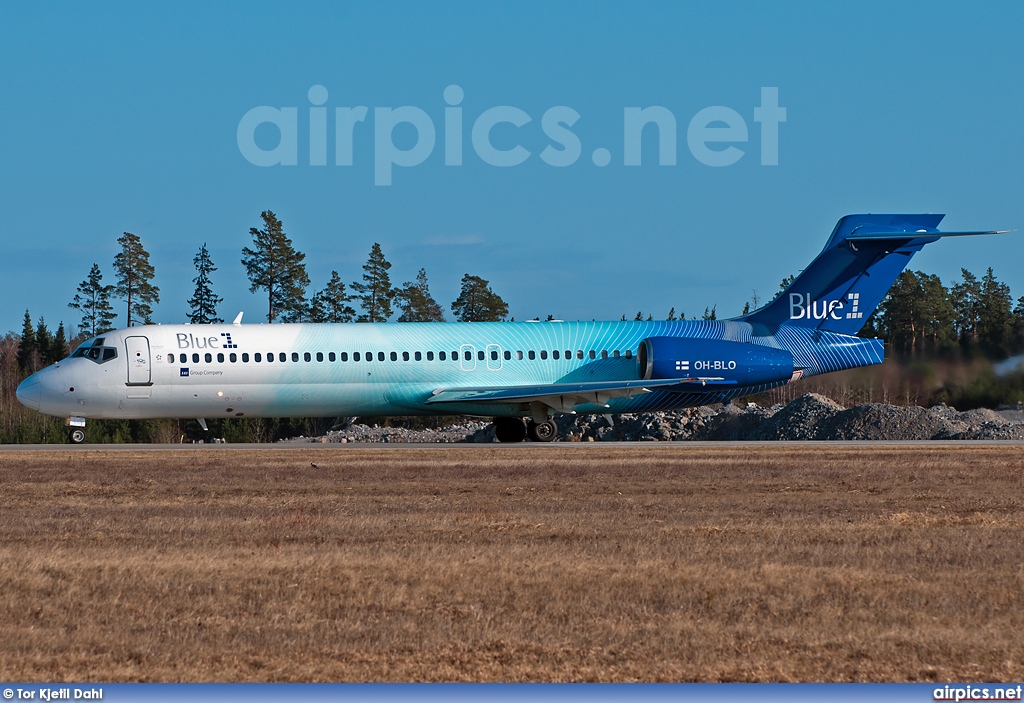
(887, 422)
(798, 420)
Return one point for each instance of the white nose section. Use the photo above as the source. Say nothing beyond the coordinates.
(29, 392)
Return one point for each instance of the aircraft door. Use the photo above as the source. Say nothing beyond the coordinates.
(493, 357)
(139, 372)
(467, 357)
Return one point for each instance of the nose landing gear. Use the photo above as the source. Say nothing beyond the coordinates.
(76, 430)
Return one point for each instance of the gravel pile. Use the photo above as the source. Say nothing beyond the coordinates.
(375, 434)
(809, 417)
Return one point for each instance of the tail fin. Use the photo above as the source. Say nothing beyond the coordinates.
(851, 275)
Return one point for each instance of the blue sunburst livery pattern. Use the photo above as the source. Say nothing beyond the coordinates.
(496, 369)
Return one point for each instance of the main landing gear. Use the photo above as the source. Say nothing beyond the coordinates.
(512, 429)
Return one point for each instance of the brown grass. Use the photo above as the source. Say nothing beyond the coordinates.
(573, 563)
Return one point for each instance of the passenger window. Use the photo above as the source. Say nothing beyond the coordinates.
(568, 354)
(455, 356)
(480, 355)
(543, 353)
(281, 357)
(604, 353)
(430, 356)
(418, 356)
(519, 355)
(343, 356)
(295, 356)
(306, 356)
(220, 358)
(257, 357)
(195, 358)
(494, 355)
(170, 358)
(592, 354)
(394, 356)
(616, 354)
(629, 353)
(532, 354)
(442, 356)
(355, 356)
(245, 358)
(554, 354)
(232, 357)
(405, 356)
(508, 355)
(469, 356)
(208, 357)
(270, 357)
(319, 356)
(579, 353)
(380, 356)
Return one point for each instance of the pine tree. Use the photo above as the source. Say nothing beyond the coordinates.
(416, 302)
(671, 315)
(275, 266)
(1018, 326)
(710, 314)
(964, 296)
(746, 308)
(937, 329)
(27, 347)
(134, 280)
(93, 301)
(44, 344)
(995, 315)
(902, 314)
(59, 347)
(478, 303)
(331, 303)
(375, 292)
(786, 283)
(639, 316)
(203, 302)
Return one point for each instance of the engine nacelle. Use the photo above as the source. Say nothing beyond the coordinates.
(679, 357)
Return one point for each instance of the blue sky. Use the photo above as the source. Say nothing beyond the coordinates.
(124, 117)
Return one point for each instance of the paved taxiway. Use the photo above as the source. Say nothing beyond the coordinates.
(525, 446)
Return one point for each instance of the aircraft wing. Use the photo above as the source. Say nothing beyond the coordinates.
(565, 396)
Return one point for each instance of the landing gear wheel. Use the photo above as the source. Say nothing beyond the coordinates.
(77, 435)
(509, 429)
(542, 431)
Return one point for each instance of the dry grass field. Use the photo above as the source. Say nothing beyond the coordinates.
(566, 563)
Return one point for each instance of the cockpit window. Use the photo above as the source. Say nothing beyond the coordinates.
(97, 353)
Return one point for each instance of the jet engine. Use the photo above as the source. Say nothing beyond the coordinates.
(739, 362)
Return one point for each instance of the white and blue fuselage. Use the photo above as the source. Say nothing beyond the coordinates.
(502, 370)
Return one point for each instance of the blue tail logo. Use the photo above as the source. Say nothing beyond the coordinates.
(848, 279)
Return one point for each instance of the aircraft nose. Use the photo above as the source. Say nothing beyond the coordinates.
(29, 392)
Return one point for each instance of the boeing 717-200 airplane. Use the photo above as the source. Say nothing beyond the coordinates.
(510, 371)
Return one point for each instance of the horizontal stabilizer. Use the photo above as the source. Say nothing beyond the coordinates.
(920, 234)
